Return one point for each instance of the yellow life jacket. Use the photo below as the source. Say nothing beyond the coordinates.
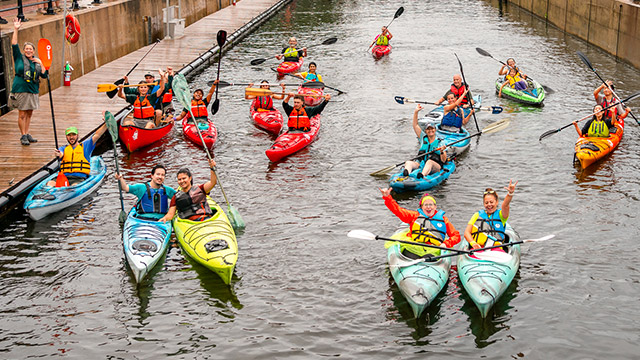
(291, 53)
(383, 40)
(598, 128)
(513, 79)
(73, 160)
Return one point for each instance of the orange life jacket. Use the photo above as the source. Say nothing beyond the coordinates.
(142, 109)
(167, 97)
(298, 119)
(199, 109)
(264, 102)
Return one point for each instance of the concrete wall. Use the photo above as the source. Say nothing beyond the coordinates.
(108, 32)
(613, 25)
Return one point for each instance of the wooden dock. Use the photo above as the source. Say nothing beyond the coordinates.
(81, 105)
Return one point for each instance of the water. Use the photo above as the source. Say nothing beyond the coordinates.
(302, 289)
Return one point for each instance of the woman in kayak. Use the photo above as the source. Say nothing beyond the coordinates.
(190, 202)
(292, 54)
(310, 75)
(428, 144)
(597, 126)
(490, 221)
(265, 102)
(511, 64)
(198, 106)
(514, 80)
(428, 224)
(453, 117)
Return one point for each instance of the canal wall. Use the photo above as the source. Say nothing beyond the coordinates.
(612, 25)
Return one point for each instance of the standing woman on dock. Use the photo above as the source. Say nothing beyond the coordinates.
(25, 90)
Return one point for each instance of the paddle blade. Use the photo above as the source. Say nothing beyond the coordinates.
(257, 61)
(112, 126)
(361, 234)
(398, 12)
(547, 89)
(544, 238)
(548, 133)
(382, 172)
(181, 90)
(482, 52)
(61, 180)
(496, 109)
(45, 53)
(122, 217)
(221, 37)
(459, 63)
(215, 106)
(399, 100)
(313, 85)
(330, 41)
(107, 87)
(496, 126)
(221, 83)
(234, 218)
(494, 256)
(584, 59)
(113, 93)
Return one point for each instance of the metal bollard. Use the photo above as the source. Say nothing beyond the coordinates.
(50, 8)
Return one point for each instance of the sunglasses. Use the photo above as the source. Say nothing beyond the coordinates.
(489, 191)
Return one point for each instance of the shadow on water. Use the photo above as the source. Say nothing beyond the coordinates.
(223, 295)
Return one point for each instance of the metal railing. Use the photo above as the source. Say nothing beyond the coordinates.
(20, 7)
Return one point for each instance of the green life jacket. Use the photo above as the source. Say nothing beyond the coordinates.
(598, 128)
(27, 74)
(383, 40)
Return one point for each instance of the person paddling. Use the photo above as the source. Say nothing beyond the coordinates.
(428, 143)
(459, 91)
(190, 202)
(264, 102)
(290, 53)
(428, 224)
(153, 196)
(515, 82)
(311, 75)
(604, 97)
(453, 118)
(384, 37)
(491, 221)
(199, 106)
(597, 126)
(511, 64)
(300, 115)
(144, 113)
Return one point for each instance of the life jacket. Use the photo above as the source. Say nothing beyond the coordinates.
(426, 146)
(264, 102)
(291, 54)
(612, 112)
(513, 79)
(142, 108)
(429, 229)
(491, 226)
(193, 204)
(598, 128)
(312, 77)
(167, 96)
(453, 118)
(199, 109)
(298, 119)
(73, 160)
(27, 74)
(458, 92)
(382, 40)
(153, 201)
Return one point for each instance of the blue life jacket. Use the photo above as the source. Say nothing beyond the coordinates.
(492, 226)
(311, 77)
(430, 229)
(452, 118)
(153, 201)
(426, 146)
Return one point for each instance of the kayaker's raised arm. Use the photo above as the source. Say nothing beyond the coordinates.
(213, 180)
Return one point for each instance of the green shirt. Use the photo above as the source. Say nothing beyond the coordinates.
(19, 84)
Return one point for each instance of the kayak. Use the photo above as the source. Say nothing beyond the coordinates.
(401, 183)
(211, 242)
(134, 137)
(207, 129)
(292, 142)
(379, 51)
(485, 281)
(287, 67)
(311, 100)
(44, 200)
(145, 241)
(420, 282)
(533, 95)
(268, 120)
(591, 149)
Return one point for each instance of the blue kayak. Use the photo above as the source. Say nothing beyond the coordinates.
(401, 183)
(145, 241)
(44, 200)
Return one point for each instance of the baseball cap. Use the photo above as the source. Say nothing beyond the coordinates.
(71, 130)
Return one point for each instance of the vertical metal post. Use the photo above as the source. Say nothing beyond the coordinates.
(63, 46)
(20, 12)
(50, 8)
(97, 2)
(75, 5)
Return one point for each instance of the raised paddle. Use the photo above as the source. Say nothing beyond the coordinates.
(314, 84)
(112, 126)
(551, 132)
(181, 89)
(111, 87)
(469, 99)
(584, 59)
(221, 38)
(486, 53)
(267, 92)
(496, 256)
(395, 16)
(113, 93)
(223, 84)
(403, 100)
(329, 41)
(494, 127)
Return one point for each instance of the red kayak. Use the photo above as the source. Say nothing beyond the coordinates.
(289, 66)
(292, 142)
(379, 51)
(268, 120)
(208, 131)
(309, 100)
(134, 137)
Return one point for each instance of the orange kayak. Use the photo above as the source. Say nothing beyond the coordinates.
(591, 149)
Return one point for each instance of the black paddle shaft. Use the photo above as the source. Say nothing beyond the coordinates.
(422, 244)
(469, 99)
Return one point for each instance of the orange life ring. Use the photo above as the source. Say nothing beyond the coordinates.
(73, 29)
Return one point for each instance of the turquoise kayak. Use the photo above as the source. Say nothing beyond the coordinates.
(44, 200)
(485, 281)
(419, 282)
(145, 241)
(533, 95)
(401, 183)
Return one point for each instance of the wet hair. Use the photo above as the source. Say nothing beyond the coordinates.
(490, 191)
(312, 63)
(186, 172)
(159, 166)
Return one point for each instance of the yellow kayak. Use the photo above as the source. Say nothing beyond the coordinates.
(211, 242)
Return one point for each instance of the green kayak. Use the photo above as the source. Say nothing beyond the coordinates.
(533, 95)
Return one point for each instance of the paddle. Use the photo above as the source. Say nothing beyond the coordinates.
(469, 100)
(223, 84)
(584, 59)
(491, 128)
(486, 53)
(551, 132)
(45, 51)
(395, 16)
(496, 256)
(113, 93)
(112, 126)
(112, 87)
(329, 41)
(403, 100)
(309, 84)
(267, 92)
(221, 38)
(182, 92)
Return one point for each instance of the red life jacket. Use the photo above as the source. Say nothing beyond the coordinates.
(167, 96)
(142, 109)
(299, 119)
(611, 113)
(199, 109)
(458, 93)
(264, 102)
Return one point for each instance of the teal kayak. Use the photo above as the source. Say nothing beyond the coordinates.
(485, 281)
(533, 95)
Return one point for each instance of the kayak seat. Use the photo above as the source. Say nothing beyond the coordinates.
(216, 245)
(44, 196)
(590, 146)
(411, 255)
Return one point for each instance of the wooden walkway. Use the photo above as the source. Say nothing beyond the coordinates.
(81, 105)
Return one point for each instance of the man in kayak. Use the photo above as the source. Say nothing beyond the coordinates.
(383, 38)
(164, 100)
(291, 53)
(428, 224)
(604, 97)
(199, 106)
(265, 102)
(310, 75)
(458, 90)
(75, 158)
(300, 115)
(490, 222)
(153, 196)
(453, 118)
(190, 202)
(429, 144)
(144, 113)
